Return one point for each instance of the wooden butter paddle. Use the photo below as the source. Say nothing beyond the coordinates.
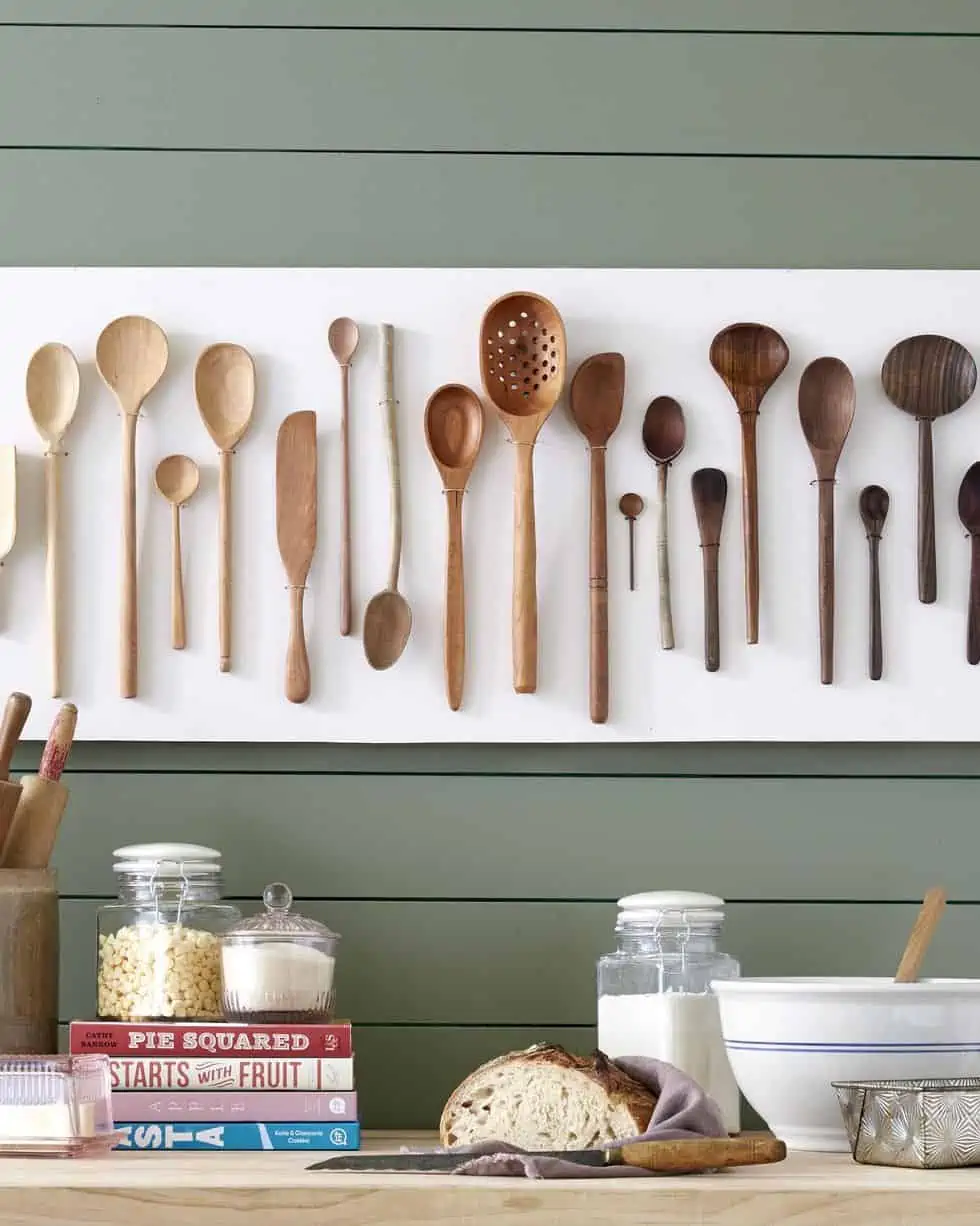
(34, 829)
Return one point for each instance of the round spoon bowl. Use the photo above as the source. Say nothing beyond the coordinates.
(874, 503)
(522, 355)
(664, 431)
(928, 376)
(968, 501)
(342, 337)
(52, 390)
(131, 354)
(387, 626)
(177, 478)
(826, 404)
(454, 427)
(631, 505)
(224, 382)
(749, 355)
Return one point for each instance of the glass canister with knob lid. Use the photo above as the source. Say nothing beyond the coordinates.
(655, 996)
(158, 957)
(278, 966)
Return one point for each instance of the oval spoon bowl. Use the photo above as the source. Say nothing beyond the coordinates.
(664, 430)
(52, 390)
(454, 428)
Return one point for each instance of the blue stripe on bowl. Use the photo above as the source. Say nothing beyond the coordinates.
(883, 1048)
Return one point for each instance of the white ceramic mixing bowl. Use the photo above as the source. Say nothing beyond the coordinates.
(788, 1039)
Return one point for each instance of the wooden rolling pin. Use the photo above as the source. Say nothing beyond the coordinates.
(34, 828)
(15, 715)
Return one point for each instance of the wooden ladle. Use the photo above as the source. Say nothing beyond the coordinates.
(224, 381)
(522, 363)
(826, 403)
(342, 336)
(52, 397)
(454, 432)
(596, 404)
(177, 478)
(663, 440)
(749, 358)
(928, 376)
(709, 487)
(969, 509)
(131, 354)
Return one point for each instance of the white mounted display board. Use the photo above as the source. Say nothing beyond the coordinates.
(663, 322)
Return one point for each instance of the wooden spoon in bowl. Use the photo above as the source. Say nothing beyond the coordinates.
(663, 441)
(131, 354)
(177, 478)
(749, 358)
(923, 930)
(826, 401)
(522, 363)
(52, 397)
(454, 432)
(969, 509)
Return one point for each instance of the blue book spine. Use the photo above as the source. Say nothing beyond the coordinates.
(239, 1136)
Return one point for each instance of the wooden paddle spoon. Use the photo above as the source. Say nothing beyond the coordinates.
(663, 441)
(969, 509)
(342, 336)
(826, 403)
(296, 532)
(928, 377)
(177, 478)
(873, 504)
(709, 486)
(522, 363)
(749, 358)
(52, 397)
(131, 355)
(224, 380)
(596, 404)
(454, 432)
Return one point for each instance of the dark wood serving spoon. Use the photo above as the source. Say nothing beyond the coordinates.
(874, 510)
(709, 487)
(663, 440)
(969, 508)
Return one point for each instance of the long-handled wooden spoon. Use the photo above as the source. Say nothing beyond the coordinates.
(52, 397)
(177, 478)
(874, 510)
(826, 403)
(709, 486)
(296, 532)
(923, 930)
(969, 509)
(928, 377)
(342, 337)
(453, 432)
(522, 363)
(663, 441)
(596, 404)
(749, 358)
(224, 381)
(131, 354)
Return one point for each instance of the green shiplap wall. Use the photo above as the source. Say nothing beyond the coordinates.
(474, 886)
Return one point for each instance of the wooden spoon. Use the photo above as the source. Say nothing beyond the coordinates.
(874, 510)
(522, 363)
(928, 376)
(131, 354)
(921, 935)
(596, 404)
(969, 509)
(224, 381)
(52, 397)
(296, 532)
(454, 432)
(388, 616)
(709, 487)
(177, 478)
(342, 336)
(631, 505)
(826, 401)
(663, 440)
(749, 358)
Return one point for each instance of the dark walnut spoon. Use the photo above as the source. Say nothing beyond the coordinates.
(874, 511)
(749, 358)
(664, 433)
(631, 505)
(969, 508)
(709, 487)
(928, 377)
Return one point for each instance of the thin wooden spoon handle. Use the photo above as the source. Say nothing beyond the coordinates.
(391, 439)
(345, 563)
(455, 645)
(921, 935)
(52, 564)
(973, 615)
(663, 562)
(178, 624)
(927, 516)
(525, 610)
(129, 609)
(297, 660)
(750, 524)
(825, 530)
(224, 561)
(598, 590)
(875, 661)
(15, 714)
(712, 633)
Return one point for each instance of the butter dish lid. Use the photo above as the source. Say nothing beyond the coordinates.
(280, 923)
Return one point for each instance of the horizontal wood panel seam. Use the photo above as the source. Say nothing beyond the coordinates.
(588, 31)
(166, 772)
(713, 155)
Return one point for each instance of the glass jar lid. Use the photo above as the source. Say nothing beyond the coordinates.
(670, 909)
(167, 860)
(279, 923)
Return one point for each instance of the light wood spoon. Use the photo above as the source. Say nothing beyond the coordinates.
(454, 432)
(921, 935)
(663, 441)
(342, 336)
(131, 354)
(224, 380)
(522, 363)
(177, 478)
(52, 397)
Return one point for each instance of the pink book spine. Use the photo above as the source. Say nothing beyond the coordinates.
(210, 1039)
(141, 1107)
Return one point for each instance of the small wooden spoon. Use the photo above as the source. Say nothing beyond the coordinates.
(928, 376)
(131, 354)
(969, 509)
(224, 381)
(52, 397)
(522, 362)
(923, 930)
(826, 402)
(663, 440)
(749, 358)
(709, 487)
(874, 510)
(454, 432)
(596, 405)
(631, 505)
(342, 336)
(177, 478)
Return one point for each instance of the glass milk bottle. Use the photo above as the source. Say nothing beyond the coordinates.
(655, 995)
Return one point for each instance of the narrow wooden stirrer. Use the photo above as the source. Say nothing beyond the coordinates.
(923, 930)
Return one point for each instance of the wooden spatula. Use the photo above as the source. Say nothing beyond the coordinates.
(296, 530)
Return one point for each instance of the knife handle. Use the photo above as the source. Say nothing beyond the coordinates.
(297, 661)
(706, 1154)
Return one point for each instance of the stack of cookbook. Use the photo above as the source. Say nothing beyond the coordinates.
(228, 1086)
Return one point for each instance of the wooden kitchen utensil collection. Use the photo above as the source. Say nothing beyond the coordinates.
(29, 826)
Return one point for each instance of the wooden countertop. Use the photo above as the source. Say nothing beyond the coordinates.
(274, 1189)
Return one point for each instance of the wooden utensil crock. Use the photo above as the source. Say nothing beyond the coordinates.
(28, 961)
